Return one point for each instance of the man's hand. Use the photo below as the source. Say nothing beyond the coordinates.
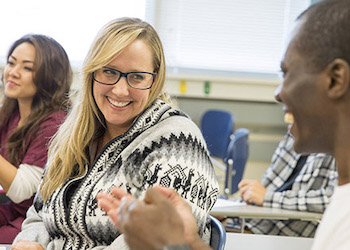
(252, 192)
(110, 203)
(24, 245)
(184, 210)
(152, 223)
(162, 218)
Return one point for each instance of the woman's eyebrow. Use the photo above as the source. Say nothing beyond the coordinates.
(25, 61)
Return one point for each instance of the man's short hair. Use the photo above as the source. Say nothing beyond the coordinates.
(325, 33)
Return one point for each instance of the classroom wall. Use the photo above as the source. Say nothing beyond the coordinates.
(249, 99)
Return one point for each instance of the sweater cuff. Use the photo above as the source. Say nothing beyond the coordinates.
(25, 183)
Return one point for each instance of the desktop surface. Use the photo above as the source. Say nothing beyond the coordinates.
(238, 209)
(238, 241)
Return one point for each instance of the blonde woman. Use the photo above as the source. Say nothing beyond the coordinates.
(121, 132)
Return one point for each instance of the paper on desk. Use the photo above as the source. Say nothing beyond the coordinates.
(229, 203)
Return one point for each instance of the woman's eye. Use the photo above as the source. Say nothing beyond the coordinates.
(109, 72)
(138, 77)
(28, 68)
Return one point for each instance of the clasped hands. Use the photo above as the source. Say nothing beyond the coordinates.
(161, 219)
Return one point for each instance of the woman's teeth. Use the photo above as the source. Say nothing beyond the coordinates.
(118, 104)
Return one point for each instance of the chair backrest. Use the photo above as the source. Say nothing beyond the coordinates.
(217, 126)
(3, 197)
(218, 234)
(236, 159)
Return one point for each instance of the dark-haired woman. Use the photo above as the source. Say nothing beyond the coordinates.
(37, 79)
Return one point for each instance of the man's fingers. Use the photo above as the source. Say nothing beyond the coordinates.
(107, 201)
(106, 204)
(119, 193)
(113, 214)
(125, 203)
(112, 200)
(244, 183)
(107, 197)
(169, 193)
(244, 189)
(247, 198)
(246, 194)
(126, 206)
(154, 196)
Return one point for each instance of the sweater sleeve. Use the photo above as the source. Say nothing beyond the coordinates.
(175, 158)
(25, 183)
(33, 228)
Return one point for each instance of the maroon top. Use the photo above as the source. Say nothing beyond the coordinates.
(35, 154)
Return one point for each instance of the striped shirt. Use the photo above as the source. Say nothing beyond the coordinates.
(310, 191)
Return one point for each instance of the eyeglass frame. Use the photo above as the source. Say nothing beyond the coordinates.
(122, 74)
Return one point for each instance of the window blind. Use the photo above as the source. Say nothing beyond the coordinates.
(246, 36)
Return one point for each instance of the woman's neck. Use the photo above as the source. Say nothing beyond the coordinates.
(109, 135)
(24, 112)
(103, 140)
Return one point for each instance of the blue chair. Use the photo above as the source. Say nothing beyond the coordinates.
(236, 159)
(3, 198)
(217, 127)
(218, 234)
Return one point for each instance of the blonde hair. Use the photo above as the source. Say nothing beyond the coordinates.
(85, 122)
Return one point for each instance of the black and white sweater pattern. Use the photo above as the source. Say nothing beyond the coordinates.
(163, 146)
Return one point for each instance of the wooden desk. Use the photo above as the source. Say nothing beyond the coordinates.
(237, 241)
(244, 211)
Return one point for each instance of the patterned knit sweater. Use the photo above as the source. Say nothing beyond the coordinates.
(163, 146)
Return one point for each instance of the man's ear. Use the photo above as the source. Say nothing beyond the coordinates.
(339, 77)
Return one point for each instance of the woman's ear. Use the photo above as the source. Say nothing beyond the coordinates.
(339, 78)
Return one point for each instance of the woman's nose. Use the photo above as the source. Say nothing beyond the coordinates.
(121, 87)
(14, 71)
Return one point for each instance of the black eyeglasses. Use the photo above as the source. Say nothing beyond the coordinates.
(136, 80)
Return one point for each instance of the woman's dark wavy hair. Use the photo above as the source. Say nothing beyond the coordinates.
(52, 78)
